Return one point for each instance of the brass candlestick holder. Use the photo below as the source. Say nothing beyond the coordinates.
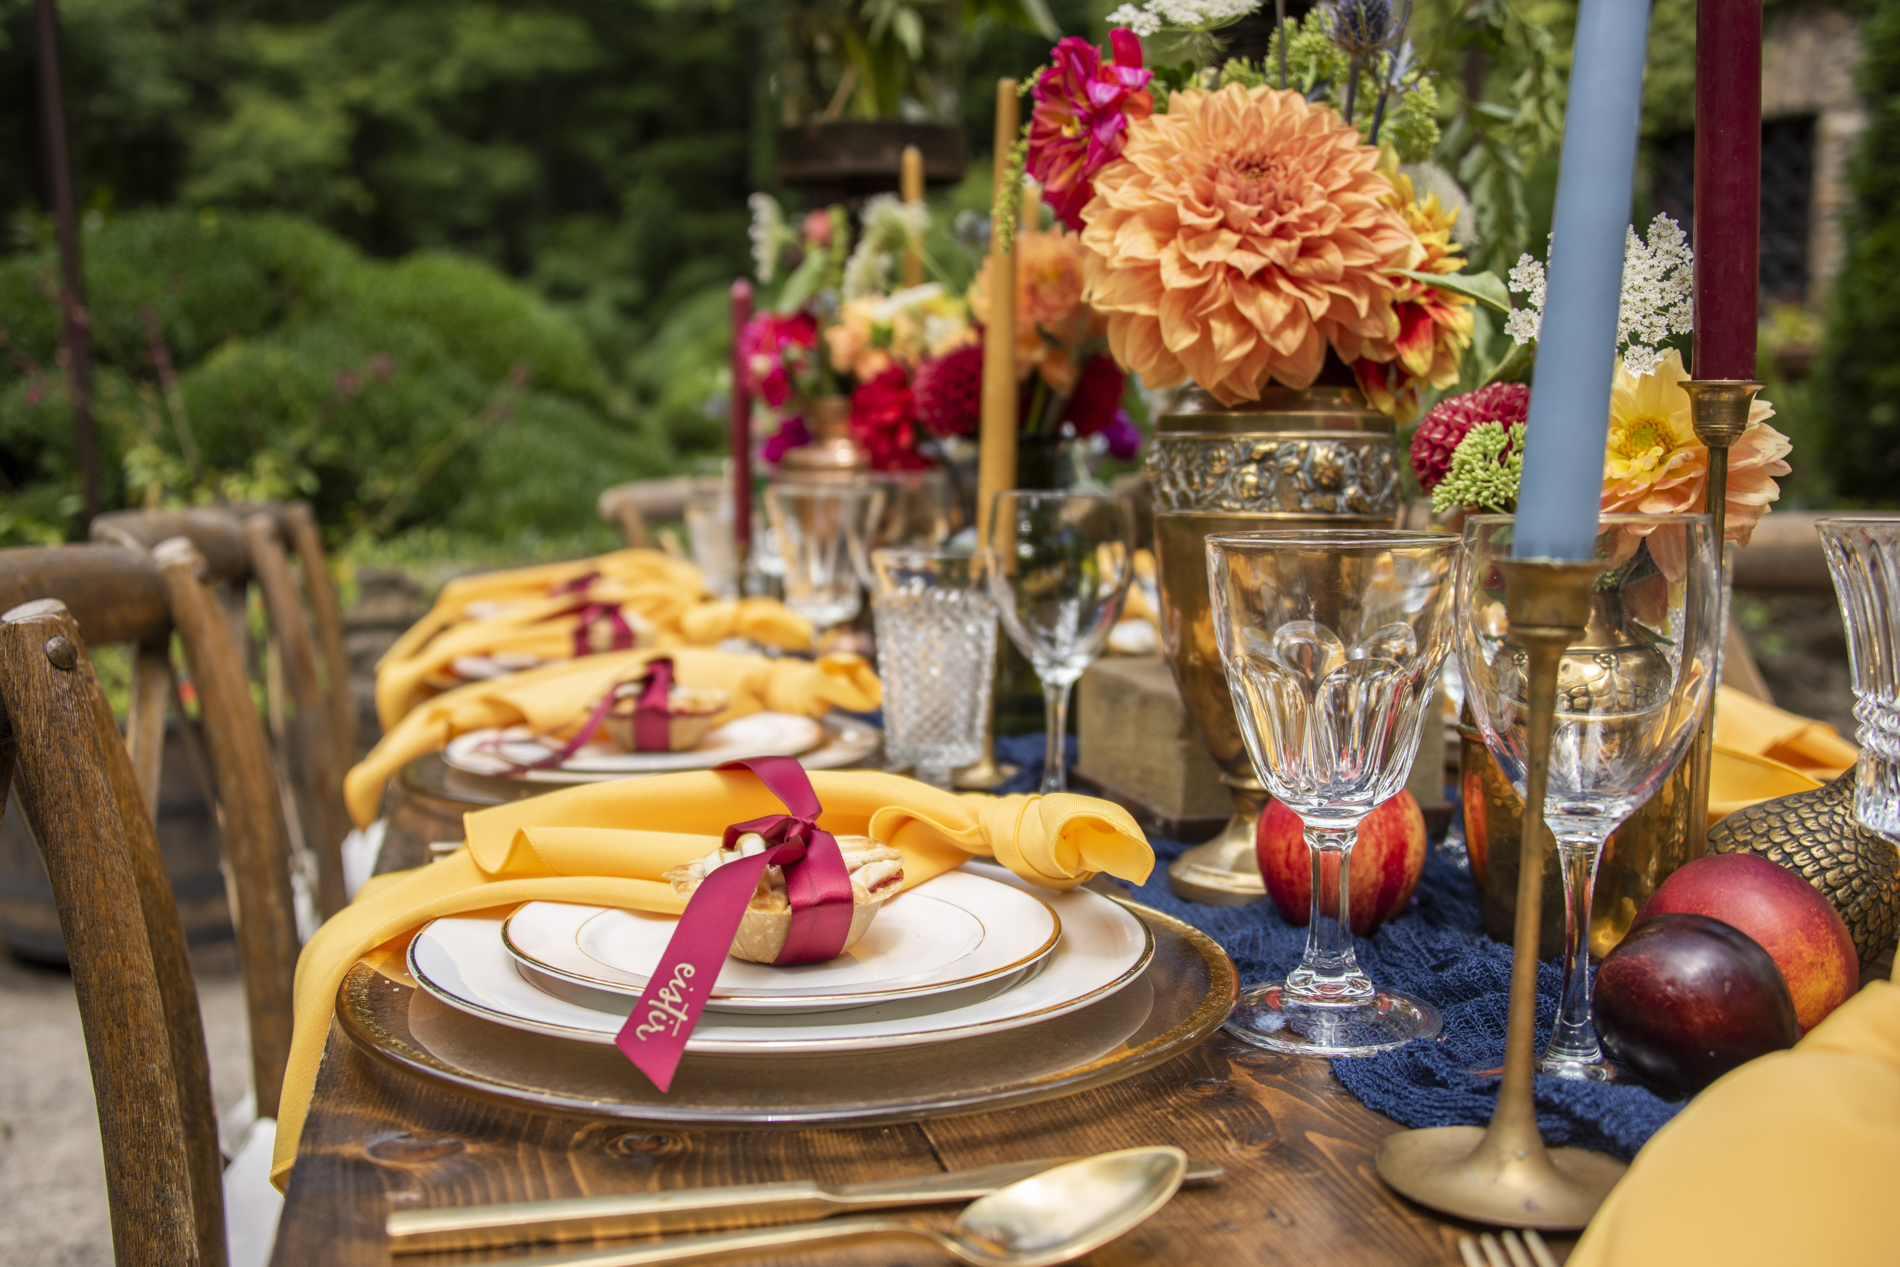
(1502, 1173)
(1718, 410)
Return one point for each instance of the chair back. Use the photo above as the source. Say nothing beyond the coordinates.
(126, 595)
(138, 1005)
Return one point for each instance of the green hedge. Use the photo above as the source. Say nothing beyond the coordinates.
(430, 390)
(1859, 376)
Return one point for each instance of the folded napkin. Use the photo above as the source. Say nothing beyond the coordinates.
(1746, 724)
(564, 847)
(1789, 1159)
(548, 612)
(1740, 779)
(553, 700)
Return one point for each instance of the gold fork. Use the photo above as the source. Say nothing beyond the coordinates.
(1506, 1251)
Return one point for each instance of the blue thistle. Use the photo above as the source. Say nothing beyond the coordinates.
(1363, 29)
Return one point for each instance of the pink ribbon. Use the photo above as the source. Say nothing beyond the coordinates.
(652, 724)
(816, 882)
(593, 615)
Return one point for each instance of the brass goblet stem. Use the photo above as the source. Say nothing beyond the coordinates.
(1718, 410)
(1503, 1174)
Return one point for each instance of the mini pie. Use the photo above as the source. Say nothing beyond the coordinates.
(689, 715)
(877, 873)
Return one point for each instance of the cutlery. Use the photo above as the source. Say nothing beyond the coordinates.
(697, 1209)
(1048, 1218)
(1508, 1251)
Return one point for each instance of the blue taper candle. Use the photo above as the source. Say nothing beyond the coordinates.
(1562, 485)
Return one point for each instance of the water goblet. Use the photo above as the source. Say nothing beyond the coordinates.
(818, 527)
(936, 653)
(1864, 557)
(1332, 641)
(1060, 568)
(1630, 696)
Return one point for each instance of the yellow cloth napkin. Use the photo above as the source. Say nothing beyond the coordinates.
(553, 700)
(561, 847)
(1740, 779)
(514, 613)
(1747, 724)
(1789, 1159)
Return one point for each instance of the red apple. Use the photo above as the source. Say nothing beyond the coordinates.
(1387, 861)
(1683, 999)
(1477, 844)
(1800, 929)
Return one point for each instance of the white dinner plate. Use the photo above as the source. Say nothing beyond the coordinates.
(959, 930)
(461, 961)
(501, 752)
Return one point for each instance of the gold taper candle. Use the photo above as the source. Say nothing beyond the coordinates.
(996, 469)
(910, 186)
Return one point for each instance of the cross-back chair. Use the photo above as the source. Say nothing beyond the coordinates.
(115, 595)
(307, 681)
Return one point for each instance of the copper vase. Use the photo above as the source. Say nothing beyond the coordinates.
(832, 453)
(1319, 458)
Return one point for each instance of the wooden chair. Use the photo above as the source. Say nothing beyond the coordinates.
(630, 507)
(307, 681)
(117, 595)
(137, 1002)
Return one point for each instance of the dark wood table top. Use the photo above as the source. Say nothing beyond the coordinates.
(1297, 1148)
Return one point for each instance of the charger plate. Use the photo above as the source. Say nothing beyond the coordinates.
(1182, 997)
(503, 752)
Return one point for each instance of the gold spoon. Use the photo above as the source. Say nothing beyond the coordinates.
(1053, 1217)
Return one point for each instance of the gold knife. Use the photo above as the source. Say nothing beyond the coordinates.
(697, 1209)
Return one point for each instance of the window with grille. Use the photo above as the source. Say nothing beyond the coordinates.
(1787, 189)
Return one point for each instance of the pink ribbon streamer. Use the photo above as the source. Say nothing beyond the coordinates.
(652, 724)
(816, 882)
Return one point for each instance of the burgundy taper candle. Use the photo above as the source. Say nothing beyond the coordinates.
(741, 428)
(1727, 187)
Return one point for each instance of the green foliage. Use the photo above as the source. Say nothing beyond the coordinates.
(427, 390)
(1859, 376)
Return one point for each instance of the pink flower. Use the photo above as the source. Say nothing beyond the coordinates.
(773, 349)
(1452, 419)
(817, 228)
(1083, 107)
(883, 422)
(949, 392)
(790, 435)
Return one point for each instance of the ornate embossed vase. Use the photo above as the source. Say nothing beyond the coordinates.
(1319, 458)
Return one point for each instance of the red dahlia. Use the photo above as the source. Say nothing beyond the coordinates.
(1452, 419)
(949, 392)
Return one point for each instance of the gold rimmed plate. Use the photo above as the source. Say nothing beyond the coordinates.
(959, 930)
(1180, 998)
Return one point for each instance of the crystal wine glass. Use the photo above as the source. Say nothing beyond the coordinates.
(1332, 641)
(818, 526)
(1060, 570)
(1864, 557)
(1630, 695)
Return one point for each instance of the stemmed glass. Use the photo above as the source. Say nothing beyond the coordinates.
(1332, 641)
(819, 526)
(1630, 694)
(1060, 570)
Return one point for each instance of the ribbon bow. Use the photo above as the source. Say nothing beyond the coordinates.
(620, 635)
(816, 883)
(652, 723)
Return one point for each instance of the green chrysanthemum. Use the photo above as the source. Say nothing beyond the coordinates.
(1485, 469)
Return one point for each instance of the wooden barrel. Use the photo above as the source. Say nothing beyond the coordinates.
(187, 836)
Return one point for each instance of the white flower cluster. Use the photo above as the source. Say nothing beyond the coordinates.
(768, 231)
(1153, 16)
(1658, 297)
(1658, 294)
(1526, 278)
(890, 225)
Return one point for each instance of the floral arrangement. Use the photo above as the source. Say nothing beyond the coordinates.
(1240, 234)
(1467, 451)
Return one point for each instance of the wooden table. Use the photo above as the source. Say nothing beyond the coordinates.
(1298, 1151)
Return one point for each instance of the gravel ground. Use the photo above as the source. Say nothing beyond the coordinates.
(52, 1179)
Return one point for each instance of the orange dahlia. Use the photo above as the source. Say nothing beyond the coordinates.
(1051, 319)
(1241, 233)
(1434, 326)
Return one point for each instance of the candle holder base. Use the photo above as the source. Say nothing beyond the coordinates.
(1465, 1172)
(1225, 871)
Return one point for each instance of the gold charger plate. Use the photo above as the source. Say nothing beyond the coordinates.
(1182, 998)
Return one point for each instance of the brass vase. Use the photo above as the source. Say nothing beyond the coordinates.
(832, 453)
(1319, 458)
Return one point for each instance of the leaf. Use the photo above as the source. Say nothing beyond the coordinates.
(1487, 288)
(1516, 363)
